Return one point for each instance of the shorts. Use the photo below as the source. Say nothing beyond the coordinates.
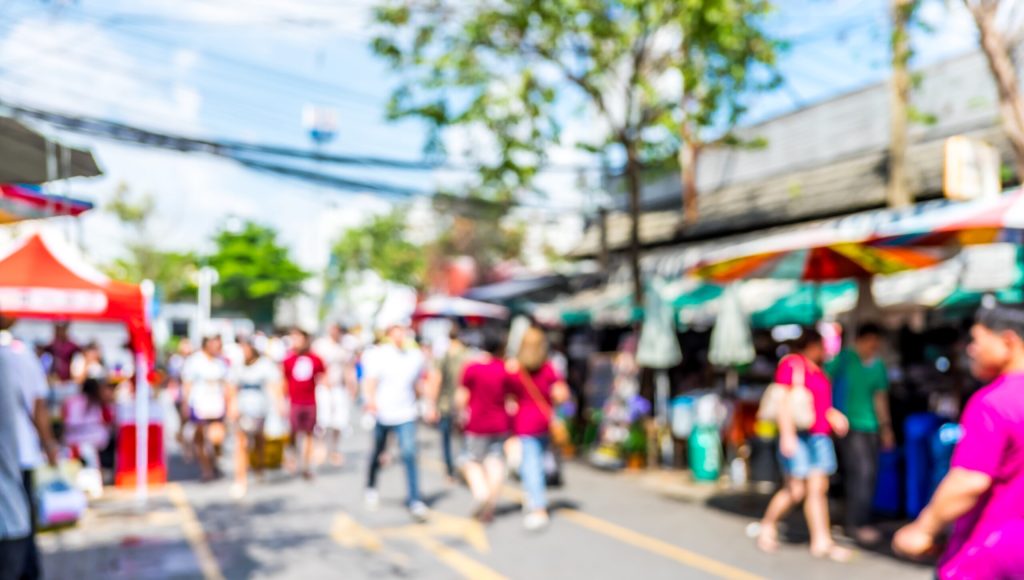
(195, 418)
(477, 448)
(815, 453)
(334, 408)
(303, 418)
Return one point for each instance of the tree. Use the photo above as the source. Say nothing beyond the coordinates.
(380, 245)
(998, 45)
(653, 73)
(144, 260)
(255, 271)
(899, 194)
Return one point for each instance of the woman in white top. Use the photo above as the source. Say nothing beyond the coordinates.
(207, 394)
(258, 384)
(88, 364)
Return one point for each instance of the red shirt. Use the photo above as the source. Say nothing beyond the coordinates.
(486, 384)
(533, 419)
(302, 371)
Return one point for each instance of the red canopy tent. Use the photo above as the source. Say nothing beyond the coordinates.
(43, 277)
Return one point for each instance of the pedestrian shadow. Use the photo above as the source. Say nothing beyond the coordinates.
(436, 497)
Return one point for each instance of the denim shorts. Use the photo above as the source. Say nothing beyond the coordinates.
(815, 453)
(477, 448)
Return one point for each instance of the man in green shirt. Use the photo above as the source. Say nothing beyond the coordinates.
(861, 391)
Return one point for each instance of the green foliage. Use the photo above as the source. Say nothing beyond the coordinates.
(255, 270)
(143, 260)
(380, 245)
(650, 72)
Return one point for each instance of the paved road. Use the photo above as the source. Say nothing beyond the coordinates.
(605, 526)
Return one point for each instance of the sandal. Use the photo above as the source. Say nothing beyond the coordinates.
(835, 553)
(767, 539)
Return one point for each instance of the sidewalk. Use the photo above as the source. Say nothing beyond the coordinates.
(116, 538)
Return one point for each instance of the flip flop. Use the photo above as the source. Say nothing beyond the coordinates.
(767, 540)
(835, 553)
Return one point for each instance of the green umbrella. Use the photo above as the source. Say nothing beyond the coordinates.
(731, 342)
(658, 347)
(807, 305)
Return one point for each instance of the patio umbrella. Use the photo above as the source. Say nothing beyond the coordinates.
(26, 202)
(658, 347)
(455, 307)
(731, 342)
(25, 156)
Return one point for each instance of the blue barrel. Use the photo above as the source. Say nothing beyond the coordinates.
(919, 430)
(889, 490)
(705, 453)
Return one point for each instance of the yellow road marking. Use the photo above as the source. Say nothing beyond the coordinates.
(456, 560)
(349, 533)
(639, 540)
(194, 533)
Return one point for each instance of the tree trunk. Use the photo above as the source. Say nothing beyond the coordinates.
(899, 194)
(633, 180)
(688, 155)
(1011, 102)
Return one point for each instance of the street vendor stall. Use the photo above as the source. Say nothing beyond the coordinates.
(42, 277)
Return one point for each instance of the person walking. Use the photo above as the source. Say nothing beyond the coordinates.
(36, 443)
(861, 385)
(15, 508)
(303, 371)
(393, 373)
(982, 496)
(338, 351)
(482, 397)
(258, 381)
(448, 373)
(206, 394)
(535, 388)
(808, 457)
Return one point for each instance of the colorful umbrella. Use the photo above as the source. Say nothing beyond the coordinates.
(26, 202)
(982, 221)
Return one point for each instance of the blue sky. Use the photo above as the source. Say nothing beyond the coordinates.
(244, 69)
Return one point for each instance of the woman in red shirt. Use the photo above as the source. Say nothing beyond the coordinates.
(536, 388)
(482, 400)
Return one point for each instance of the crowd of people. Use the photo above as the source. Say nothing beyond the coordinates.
(501, 406)
(63, 384)
(499, 399)
(979, 500)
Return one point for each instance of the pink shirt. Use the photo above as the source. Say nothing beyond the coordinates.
(816, 382)
(532, 419)
(988, 542)
(486, 409)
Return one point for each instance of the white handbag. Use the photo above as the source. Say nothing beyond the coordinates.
(800, 398)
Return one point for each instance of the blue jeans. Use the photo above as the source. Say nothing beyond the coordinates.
(531, 472)
(407, 449)
(445, 425)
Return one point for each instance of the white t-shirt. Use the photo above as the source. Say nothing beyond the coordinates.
(207, 377)
(397, 372)
(33, 386)
(253, 380)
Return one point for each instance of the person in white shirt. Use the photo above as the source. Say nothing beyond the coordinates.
(394, 371)
(258, 381)
(334, 399)
(207, 394)
(36, 443)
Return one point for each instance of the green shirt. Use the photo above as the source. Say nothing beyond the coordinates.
(860, 382)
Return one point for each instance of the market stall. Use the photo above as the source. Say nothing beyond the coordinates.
(42, 277)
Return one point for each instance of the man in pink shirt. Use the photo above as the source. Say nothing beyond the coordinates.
(983, 494)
